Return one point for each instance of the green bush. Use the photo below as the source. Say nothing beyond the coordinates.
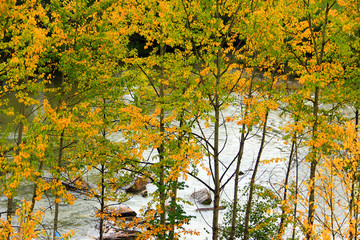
(264, 215)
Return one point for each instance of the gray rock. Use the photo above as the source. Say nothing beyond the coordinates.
(119, 212)
(77, 184)
(202, 196)
(139, 184)
(123, 235)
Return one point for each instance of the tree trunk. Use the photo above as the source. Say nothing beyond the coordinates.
(286, 184)
(9, 208)
(356, 214)
(314, 153)
(56, 217)
(161, 151)
(102, 202)
(175, 185)
(162, 194)
(236, 185)
(313, 165)
(35, 189)
(252, 181)
(237, 171)
(353, 214)
(216, 176)
(102, 173)
(296, 191)
(10, 200)
(216, 172)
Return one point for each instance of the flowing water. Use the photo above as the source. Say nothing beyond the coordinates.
(80, 216)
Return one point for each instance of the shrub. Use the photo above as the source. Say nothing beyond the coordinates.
(264, 216)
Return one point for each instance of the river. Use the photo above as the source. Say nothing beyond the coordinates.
(80, 216)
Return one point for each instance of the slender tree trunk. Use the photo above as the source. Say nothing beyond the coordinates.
(175, 186)
(216, 173)
(162, 177)
(10, 206)
(102, 173)
(161, 150)
(173, 210)
(33, 201)
(356, 214)
(216, 176)
(296, 191)
(331, 203)
(314, 154)
(162, 194)
(236, 185)
(286, 184)
(10, 200)
(353, 214)
(61, 146)
(56, 214)
(352, 218)
(252, 181)
(237, 171)
(313, 165)
(102, 202)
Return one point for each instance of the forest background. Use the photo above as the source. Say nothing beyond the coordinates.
(160, 73)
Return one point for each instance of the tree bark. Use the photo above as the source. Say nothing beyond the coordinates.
(10, 200)
(35, 189)
(161, 151)
(56, 214)
(102, 202)
(283, 212)
(102, 173)
(353, 209)
(252, 181)
(313, 165)
(175, 184)
(296, 191)
(237, 171)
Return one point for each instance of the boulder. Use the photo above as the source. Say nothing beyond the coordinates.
(208, 209)
(77, 184)
(139, 184)
(202, 196)
(122, 235)
(119, 212)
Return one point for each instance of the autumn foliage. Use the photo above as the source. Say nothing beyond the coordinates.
(148, 89)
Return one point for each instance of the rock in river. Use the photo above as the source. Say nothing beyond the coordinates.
(202, 196)
(139, 184)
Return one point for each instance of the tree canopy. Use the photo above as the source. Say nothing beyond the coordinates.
(168, 79)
